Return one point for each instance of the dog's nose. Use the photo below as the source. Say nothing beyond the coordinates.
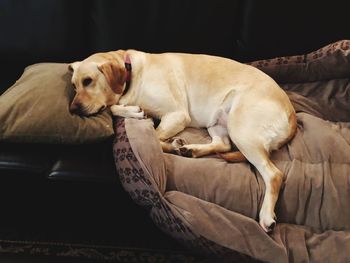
(75, 108)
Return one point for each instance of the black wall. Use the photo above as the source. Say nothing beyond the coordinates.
(67, 30)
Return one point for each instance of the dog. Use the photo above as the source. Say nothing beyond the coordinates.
(236, 103)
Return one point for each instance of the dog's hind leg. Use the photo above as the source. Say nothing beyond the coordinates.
(233, 157)
(255, 145)
(171, 124)
(220, 143)
(273, 179)
(272, 176)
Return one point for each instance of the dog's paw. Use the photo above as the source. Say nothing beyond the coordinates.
(133, 109)
(138, 115)
(267, 222)
(176, 142)
(135, 112)
(128, 111)
(115, 110)
(184, 151)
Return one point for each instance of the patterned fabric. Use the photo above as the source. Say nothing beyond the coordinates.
(144, 191)
(131, 175)
(343, 46)
(279, 61)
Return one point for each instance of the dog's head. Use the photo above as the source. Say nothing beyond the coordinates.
(99, 81)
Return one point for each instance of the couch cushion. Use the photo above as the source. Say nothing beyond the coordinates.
(327, 63)
(36, 109)
(26, 160)
(88, 162)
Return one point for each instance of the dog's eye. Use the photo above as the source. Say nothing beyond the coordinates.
(87, 81)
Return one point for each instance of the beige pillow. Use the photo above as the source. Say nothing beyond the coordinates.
(36, 109)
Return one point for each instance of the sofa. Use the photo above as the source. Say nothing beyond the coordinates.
(66, 200)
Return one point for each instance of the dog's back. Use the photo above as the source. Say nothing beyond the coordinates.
(203, 84)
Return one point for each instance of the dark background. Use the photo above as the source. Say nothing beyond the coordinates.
(40, 207)
(64, 31)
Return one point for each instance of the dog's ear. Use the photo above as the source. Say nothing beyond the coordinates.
(115, 75)
(73, 66)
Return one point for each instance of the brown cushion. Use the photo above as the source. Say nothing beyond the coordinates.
(213, 206)
(36, 109)
(329, 62)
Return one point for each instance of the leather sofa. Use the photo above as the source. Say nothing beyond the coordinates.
(71, 193)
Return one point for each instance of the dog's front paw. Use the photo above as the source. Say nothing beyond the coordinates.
(138, 115)
(128, 111)
(115, 109)
(135, 112)
(133, 109)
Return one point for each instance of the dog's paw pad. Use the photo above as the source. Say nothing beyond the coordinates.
(272, 226)
(176, 142)
(184, 151)
(268, 224)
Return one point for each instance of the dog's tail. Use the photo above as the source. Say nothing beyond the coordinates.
(233, 157)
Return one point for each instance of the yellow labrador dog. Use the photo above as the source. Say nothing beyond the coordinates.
(235, 102)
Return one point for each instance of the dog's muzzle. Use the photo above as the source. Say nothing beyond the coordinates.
(78, 109)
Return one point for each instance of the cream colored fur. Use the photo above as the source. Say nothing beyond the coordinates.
(235, 102)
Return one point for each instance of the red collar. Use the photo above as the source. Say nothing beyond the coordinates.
(127, 63)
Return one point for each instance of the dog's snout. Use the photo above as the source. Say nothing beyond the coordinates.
(75, 108)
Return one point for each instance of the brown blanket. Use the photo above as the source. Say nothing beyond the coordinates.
(213, 206)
